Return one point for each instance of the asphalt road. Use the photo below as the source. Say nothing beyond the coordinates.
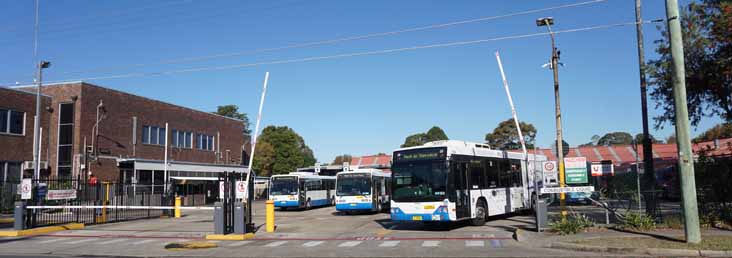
(320, 232)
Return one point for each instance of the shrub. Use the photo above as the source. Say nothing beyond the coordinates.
(572, 225)
(675, 222)
(638, 222)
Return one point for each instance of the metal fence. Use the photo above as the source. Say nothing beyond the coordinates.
(8, 196)
(90, 203)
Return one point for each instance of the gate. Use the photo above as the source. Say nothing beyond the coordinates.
(227, 192)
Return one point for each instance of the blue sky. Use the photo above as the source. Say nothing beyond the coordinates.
(358, 105)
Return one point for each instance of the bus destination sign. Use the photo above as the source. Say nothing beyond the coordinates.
(420, 154)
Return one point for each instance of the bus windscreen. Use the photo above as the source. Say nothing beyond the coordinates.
(353, 184)
(286, 185)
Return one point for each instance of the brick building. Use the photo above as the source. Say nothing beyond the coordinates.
(117, 136)
(17, 113)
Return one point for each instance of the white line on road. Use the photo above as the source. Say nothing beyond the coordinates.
(144, 241)
(350, 244)
(111, 241)
(312, 243)
(51, 240)
(430, 243)
(83, 240)
(474, 243)
(275, 244)
(389, 244)
(240, 243)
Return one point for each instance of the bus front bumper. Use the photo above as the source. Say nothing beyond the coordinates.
(286, 204)
(398, 215)
(354, 206)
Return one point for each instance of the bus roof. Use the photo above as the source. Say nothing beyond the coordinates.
(372, 171)
(304, 175)
(455, 147)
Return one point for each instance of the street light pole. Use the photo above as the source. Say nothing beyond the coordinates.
(686, 160)
(37, 122)
(558, 112)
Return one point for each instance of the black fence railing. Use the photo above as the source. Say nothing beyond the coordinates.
(8, 196)
(106, 201)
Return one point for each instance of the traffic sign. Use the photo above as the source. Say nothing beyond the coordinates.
(26, 189)
(549, 169)
(600, 169)
(575, 170)
(221, 189)
(317, 168)
(576, 189)
(241, 189)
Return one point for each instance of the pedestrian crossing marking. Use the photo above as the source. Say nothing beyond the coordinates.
(51, 240)
(389, 244)
(144, 241)
(80, 241)
(474, 243)
(349, 244)
(430, 243)
(239, 243)
(111, 241)
(312, 243)
(496, 243)
(276, 243)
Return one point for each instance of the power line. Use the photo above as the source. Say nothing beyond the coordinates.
(337, 40)
(355, 54)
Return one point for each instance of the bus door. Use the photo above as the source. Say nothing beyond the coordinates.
(302, 193)
(460, 175)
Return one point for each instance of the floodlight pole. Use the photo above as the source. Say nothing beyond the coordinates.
(686, 159)
(37, 122)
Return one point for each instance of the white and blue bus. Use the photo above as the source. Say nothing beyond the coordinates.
(456, 180)
(302, 190)
(362, 190)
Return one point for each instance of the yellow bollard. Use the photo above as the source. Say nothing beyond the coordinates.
(269, 216)
(177, 206)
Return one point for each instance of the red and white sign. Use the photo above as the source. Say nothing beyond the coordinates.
(551, 176)
(598, 169)
(26, 189)
(61, 194)
(221, 189)
(241, 189)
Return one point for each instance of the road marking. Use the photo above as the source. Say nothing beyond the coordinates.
(312, 243)
(430, 243)
(474, 243)
(111, 241)
(51, 240)
(496, 243)
(80, 241)
(144, 241)
(389, 244)
(240, 243)
(275, 244)
(349, 244)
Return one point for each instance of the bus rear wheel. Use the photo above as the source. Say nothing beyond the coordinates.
(480, 214)
(307, 205)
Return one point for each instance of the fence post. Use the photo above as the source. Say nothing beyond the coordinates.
(177, 206)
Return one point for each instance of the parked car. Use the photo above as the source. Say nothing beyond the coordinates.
(582, 198)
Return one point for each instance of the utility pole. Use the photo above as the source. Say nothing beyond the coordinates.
(37, 121)
(548, 22)
(649, 178)
(686, 160)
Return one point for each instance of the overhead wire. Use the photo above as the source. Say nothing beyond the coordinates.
(355, 54)
(336, 40)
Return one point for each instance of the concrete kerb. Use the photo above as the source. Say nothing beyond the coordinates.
(41, 230)
(646, 251)
(230, 237)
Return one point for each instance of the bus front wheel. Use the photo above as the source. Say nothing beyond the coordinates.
(480, 212)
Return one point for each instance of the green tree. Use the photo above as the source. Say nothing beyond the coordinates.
(232, 111)
(263, 159)
(505, 135)
(708, 64)
(341, 158)
(719, 131)
(639, 138)
(289, 150)
(433, 134)
(615, 138)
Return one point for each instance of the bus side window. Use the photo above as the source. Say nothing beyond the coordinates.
(492, 173)
(477, 175)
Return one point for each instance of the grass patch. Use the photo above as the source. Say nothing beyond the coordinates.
(719, 243)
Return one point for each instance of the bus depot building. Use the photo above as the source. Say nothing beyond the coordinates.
(108, 135)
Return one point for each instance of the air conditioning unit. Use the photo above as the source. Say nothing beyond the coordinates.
(28, 165)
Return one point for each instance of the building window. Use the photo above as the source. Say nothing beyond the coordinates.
(12, 122)
(10, 172)
(65, 139)
(182, 139)
(153, 135)
(204, 142)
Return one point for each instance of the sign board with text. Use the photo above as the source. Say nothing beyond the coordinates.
(575, 170)
(601, 169)
(26, 189)
(241, 189)
(577, 189)
(66, 194)
(551, 176)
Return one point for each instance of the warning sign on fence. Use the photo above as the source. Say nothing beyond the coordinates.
(67, 194)
(241, 189)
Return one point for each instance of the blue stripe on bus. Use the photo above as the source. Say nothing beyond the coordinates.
(398, 214)
(287, 204)
(354, 206)
(321, 202)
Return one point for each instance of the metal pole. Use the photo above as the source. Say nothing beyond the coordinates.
(686, 161)
(37, 126)
(558, 112)
(637, 175)
(649, 179)
(259, 118)
(165, 162)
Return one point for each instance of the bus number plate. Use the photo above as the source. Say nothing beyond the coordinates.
(429, 207)
(416, 217)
